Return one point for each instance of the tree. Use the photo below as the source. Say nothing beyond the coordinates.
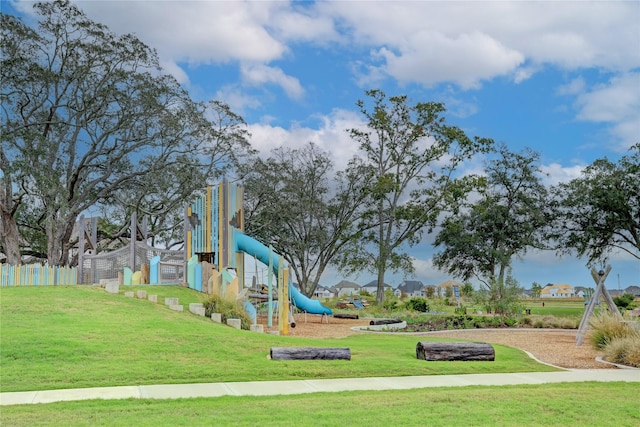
(467, 290)
(599, 212)
(501, 298)
(88, 117)
(536, 289)
(413, 156)
(507, 220)
(292, 204)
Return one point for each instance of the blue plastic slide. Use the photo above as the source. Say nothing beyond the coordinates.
(254, 248)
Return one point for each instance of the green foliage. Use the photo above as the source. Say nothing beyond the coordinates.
(105, 128)
(481, 238)
(501, 298)
(536, 289)
(600, 211)
(296, 202)
(625, 351)
(228, 309)
(467, 290)
(445, 322)
(624, 301)
(417, 304)
(552, 322)
(608, 328)
(410, 156)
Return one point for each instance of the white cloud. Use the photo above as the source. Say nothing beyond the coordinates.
(618, 103)
(237, 99)
(258, 74)
(482, 40)
(331, 136)
(557, 173)
(433, 57)
(574, 87)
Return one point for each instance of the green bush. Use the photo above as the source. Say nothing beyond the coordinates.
(624, 301)
(228, 309)
(417, 304)
(625, 351)
(608, 328)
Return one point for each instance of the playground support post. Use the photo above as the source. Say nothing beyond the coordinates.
(270, 288)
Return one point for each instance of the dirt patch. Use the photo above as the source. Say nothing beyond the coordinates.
(556, 347)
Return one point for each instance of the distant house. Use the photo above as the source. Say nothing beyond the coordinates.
(412, 288)
(633, 290)
(580, 291)
(557, 291)
(441, 289)
(322, 292)
(372, 287)
(346, 288)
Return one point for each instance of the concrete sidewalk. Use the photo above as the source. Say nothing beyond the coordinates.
(265, 388)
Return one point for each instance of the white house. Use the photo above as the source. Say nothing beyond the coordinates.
(322, 292)
(346, 288)
(412, 288)
(372, 287)
(557, 291)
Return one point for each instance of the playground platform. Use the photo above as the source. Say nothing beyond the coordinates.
(270, 388)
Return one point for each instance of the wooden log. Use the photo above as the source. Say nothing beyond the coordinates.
(384, 321)
(346, 316)
(310, 353)
(436, 351)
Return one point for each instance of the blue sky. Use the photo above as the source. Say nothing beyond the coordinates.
(560, 77)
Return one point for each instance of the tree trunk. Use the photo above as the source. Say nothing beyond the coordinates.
(10, 236)
(310, 353)
(8, 227)
(438, 351)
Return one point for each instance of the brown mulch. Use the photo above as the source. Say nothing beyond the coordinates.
(556, 347)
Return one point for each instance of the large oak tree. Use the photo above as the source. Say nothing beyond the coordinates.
(599, 212)
(414, 157)
(297, 203)
(88, 117)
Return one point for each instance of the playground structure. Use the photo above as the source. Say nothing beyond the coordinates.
(213, 260)
(215, 253)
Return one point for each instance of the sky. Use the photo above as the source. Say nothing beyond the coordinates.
(560, 77)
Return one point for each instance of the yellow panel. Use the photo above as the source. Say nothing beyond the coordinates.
(136, 278)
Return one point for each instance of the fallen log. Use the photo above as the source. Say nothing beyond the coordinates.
(384, 321)
(346, 316)
(436, 351)
(310, 353)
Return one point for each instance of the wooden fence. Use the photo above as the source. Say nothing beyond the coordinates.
(36, 275)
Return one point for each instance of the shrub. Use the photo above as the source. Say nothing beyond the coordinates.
(538, 324)
(625, 351)
(624, 301)
(607, 328)
(417, 304)
(228, 309)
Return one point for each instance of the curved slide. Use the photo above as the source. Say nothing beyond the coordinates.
(253, 247)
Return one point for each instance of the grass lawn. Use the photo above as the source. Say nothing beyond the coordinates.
(80, 336)
(587, 404)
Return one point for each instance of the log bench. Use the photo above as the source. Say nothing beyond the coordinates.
(384, 321)
(310, 353)
(346, 316)
(438, 351)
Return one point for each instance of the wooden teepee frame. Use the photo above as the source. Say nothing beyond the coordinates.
(599, 277)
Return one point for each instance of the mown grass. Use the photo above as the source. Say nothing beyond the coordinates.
(589, 404)
(80, 336)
